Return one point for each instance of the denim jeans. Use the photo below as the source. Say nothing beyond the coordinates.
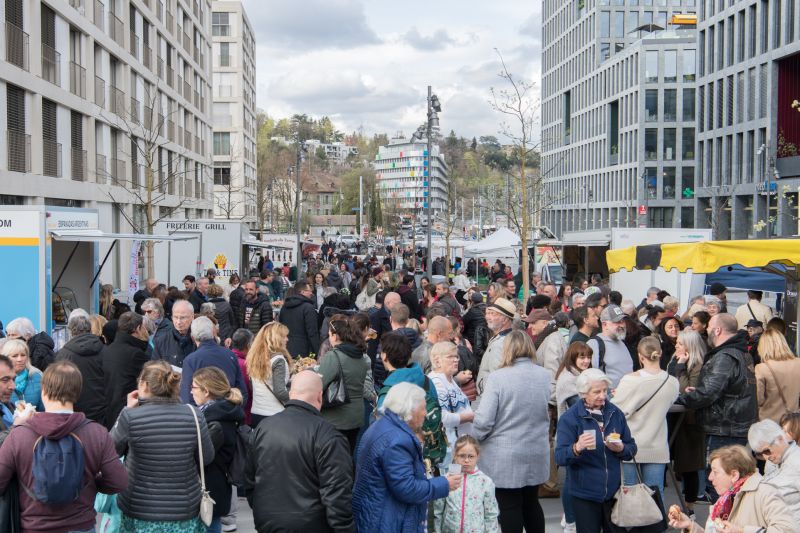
(215, 527)
(652, 475)
(566, 500)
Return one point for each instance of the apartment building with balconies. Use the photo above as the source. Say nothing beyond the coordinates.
(107, 106)
(234, 112)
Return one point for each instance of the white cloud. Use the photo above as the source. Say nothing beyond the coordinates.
(371, 70)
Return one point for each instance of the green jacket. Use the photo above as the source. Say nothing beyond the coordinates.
(351, 414)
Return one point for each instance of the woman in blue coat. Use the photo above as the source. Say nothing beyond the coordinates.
(391, 492)
(592, 441)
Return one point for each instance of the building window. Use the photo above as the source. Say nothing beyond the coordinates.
(670, 66)
(670, 105)
(687, 143)
(222, 175)
(651, 67)
(651, 144)
(222, 143)
(687, 183)
(605, 24)
(651, 183)
(669, 144)
(619, 24)
(688, 59)
(688, 104)
(220, 24)
(668, 183)
(651, 105)
(224, 54)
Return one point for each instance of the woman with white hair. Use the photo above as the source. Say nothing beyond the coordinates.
(592, 440)
(391, 491)
(713, 305)
(457, 413)
(28, 383)
(770, 443)
(40, 345)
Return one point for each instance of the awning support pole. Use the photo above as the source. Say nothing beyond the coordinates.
(69, 259)
(103, 262)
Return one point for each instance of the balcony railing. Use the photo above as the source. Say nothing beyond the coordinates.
(51, 64)
(117, 171)
(99, 8)
(117, 101)
(116, 30)
(51, 158)
(147, 56)
(100, 171)
(78, 166)
(100, 91)
(17, 43)
(134, 45)
(135, 111)
(19, 151)
(77, 79)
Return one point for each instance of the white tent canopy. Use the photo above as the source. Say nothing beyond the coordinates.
(500, 244)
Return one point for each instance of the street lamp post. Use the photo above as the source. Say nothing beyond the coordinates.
(297, 171)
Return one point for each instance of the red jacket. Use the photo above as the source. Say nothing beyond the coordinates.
(103, 471)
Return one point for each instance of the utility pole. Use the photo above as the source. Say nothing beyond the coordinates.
(429, 172)
(360, 205)
(297, 171)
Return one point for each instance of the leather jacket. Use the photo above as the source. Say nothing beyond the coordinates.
(725, 397)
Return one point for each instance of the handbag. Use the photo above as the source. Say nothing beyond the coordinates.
(637, 505)
(336, 392)
(206, 502)
(9, 509)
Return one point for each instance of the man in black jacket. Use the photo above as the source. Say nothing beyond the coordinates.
(408, 296)
(475, 329)
(172, 341)
(725, 397)
(299, 473)
(123, 360)
(300, 316)
(85, 350)
(198, 296)
(255, 310)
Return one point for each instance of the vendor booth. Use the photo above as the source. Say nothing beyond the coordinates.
(503, 244)
(779, 257)
(52, 260)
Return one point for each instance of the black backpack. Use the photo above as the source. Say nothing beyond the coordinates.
(244, 435)
(601, 352)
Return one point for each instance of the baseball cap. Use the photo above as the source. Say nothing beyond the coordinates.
(505, 307)
(753, 323)
(536, 315)
(611, 313)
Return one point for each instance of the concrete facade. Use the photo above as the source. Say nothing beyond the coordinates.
(103, 103)
(234, 112)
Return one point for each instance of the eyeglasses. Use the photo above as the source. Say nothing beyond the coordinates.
(466, 456)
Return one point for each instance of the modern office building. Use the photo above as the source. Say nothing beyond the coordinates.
(401, 170)
(234, 112)
(748, 132)
(106, 104)
(618, 114)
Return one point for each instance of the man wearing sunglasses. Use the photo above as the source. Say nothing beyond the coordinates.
(770, 443)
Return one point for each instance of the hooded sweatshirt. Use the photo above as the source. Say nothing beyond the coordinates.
(103, 471)
(410, 374)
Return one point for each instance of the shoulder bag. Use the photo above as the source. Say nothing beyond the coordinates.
(637, 505)
(650, 398)
(336, 392)
(206, 502)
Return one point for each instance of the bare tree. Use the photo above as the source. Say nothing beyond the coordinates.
(228, 196)
(450, 222)
(157, 185)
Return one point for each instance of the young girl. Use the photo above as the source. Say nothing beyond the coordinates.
(472, 508)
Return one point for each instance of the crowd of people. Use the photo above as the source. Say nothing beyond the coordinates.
(364, 398)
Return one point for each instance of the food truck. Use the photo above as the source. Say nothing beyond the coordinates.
(224, 245)
(52, 259)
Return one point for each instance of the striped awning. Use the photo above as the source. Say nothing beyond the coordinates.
(705, 257)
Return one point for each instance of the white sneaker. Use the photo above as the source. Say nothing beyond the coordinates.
(563, 521)
(229, 527)
(570, 528)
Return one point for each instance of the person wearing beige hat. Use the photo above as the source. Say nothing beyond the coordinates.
(500, 315)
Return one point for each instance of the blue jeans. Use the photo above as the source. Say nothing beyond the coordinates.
(566, 500)
(215, 527)
(652, 475)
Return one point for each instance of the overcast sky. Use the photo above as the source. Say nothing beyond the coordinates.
(368, 63)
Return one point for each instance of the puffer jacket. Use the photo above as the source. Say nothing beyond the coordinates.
(354, 367)
(260, 315)
(594, 475)
(85, 351)
(223, 419)
(725, 397)
(299, 474)
(41, 348)
(226, 319)
(300, 315)
(159, 441)
(171, 346)
(391, 492)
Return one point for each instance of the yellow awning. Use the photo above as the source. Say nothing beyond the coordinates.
(684, 19)
(705, 257)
